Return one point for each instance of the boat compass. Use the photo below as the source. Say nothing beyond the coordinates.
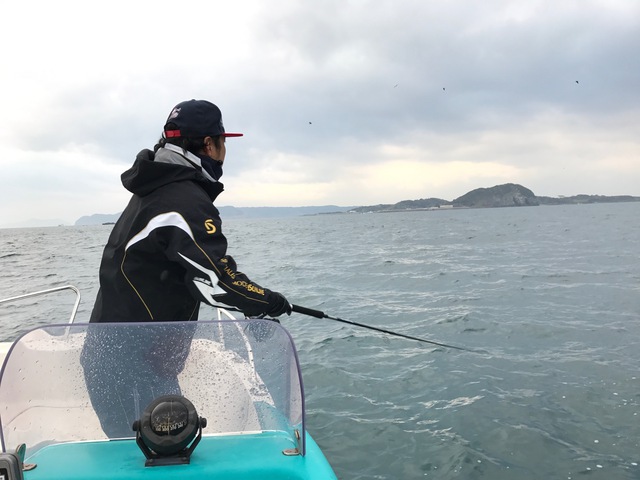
(169, 431)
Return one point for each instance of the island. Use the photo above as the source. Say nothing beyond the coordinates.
(498, 196)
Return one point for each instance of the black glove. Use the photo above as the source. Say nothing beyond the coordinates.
(278, 305)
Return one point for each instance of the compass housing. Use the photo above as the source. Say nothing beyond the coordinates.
(166, 429)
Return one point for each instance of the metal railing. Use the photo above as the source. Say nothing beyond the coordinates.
(50, 290)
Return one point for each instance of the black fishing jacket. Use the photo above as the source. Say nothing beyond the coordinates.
(166, 253)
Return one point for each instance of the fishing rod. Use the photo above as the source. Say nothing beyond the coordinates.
(318, 314)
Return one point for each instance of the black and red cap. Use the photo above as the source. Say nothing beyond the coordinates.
(196, 119)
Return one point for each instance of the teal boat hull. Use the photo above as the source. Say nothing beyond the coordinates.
(238, 457)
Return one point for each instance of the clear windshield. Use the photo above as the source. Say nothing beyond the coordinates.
(92, 381)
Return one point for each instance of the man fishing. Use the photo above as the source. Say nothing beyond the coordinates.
(167, 253)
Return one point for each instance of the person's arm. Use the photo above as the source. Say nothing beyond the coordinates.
(212, 276)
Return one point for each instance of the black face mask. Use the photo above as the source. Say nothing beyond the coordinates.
(212, 167)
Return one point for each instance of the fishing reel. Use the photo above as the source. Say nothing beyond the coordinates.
(169, 431)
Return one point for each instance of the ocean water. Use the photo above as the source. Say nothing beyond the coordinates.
(547, 297)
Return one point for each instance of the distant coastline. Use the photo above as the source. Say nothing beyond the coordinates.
(499, 196)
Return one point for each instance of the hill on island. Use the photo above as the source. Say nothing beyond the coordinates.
(507, 195)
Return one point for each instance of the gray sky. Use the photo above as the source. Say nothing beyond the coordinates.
(341, 102)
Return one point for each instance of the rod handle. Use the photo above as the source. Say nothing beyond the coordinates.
(307, 311)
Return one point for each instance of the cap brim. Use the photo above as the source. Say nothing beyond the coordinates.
(232, 134)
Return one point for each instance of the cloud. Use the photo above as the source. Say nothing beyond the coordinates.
(333, 98)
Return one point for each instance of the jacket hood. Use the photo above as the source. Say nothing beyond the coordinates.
(147, 175)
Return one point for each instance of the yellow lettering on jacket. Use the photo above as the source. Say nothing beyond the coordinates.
(209, 226)
(248, 286)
